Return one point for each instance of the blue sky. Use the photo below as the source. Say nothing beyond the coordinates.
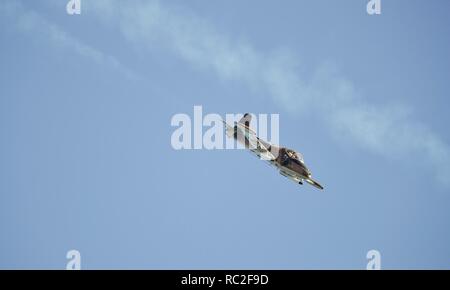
(87, 164)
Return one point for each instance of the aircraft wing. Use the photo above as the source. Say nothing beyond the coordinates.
(260, 148)
(255, 144)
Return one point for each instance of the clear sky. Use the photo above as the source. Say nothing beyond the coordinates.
(86, 161)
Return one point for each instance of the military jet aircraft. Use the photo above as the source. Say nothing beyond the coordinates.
(288, 162)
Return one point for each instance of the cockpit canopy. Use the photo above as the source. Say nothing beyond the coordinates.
(294, 155)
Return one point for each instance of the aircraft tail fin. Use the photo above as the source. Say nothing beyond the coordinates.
(246, 119)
